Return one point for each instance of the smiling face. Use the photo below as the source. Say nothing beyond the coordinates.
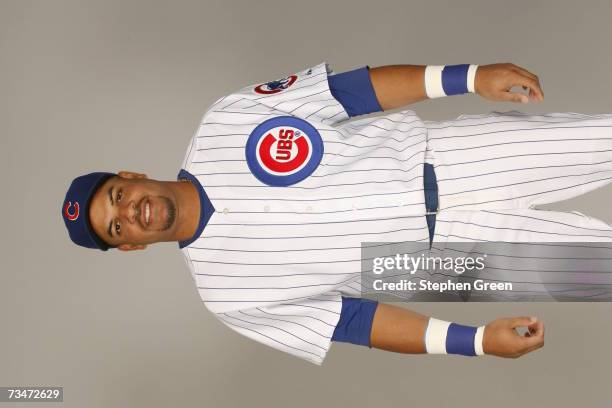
(130, 211)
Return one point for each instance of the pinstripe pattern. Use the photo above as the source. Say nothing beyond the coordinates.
(493, 169)
(545, 271)
(273, 262)
(513, 160)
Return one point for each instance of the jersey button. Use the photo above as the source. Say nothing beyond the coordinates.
(354, 206)
(266, 208)
(225, 210)
(309, 209)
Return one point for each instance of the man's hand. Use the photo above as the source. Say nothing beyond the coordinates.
(494, 81)
(502, 340)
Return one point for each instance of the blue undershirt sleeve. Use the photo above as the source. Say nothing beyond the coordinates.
(354, 91)
(355, 324)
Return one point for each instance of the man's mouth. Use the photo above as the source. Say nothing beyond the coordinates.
(145, 212)
(157, 214)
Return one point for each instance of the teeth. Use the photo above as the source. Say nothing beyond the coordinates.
(147, 213)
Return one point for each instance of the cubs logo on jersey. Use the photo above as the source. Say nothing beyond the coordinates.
(284, 150)
(275, 86)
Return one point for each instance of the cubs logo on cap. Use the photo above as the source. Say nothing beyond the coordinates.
(71, 211)
(284, 150)
(275, 86)
(75, 210)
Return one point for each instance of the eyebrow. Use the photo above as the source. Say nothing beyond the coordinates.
(110, 224)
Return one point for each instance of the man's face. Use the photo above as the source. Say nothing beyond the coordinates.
(130, 211)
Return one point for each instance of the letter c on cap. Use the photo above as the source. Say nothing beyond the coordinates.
(75, 214)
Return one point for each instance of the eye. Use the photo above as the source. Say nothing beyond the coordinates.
(119, 195)
(117, 228)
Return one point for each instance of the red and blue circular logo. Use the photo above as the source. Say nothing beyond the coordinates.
(284, 150)
(275, 86)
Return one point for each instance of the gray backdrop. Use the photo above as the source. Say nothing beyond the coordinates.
(111, 85)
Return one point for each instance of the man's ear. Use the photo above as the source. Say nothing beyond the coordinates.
(131, 175)
(131, 247)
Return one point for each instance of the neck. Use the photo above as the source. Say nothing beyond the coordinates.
(188, 204)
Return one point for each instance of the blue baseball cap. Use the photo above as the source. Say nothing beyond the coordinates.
(75, 210)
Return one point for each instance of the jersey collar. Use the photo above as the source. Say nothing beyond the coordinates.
(206, 207)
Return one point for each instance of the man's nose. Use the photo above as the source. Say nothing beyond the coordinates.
(129, 211)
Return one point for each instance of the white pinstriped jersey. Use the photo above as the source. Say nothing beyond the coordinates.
(273, 262)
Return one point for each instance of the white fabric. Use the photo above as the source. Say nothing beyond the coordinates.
(433, 81)
(471, 78)
(273, 262)
(493, 169)
(435, 336)
(510, 160)
(478, 341)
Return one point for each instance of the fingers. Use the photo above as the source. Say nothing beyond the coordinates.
(532, 94)
(536, 339)
(528, 80)
(535, 92)
(519, 76)
(533, 84)
(536, 334)
(533, 339)
(531, 330)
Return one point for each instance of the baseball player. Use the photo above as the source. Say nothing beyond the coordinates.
(278, 189)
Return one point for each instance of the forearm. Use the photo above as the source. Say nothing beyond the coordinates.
(398, 85)
(398, 329)
(404, 331)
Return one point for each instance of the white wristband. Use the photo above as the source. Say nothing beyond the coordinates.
(471, 78)
(478, 339)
